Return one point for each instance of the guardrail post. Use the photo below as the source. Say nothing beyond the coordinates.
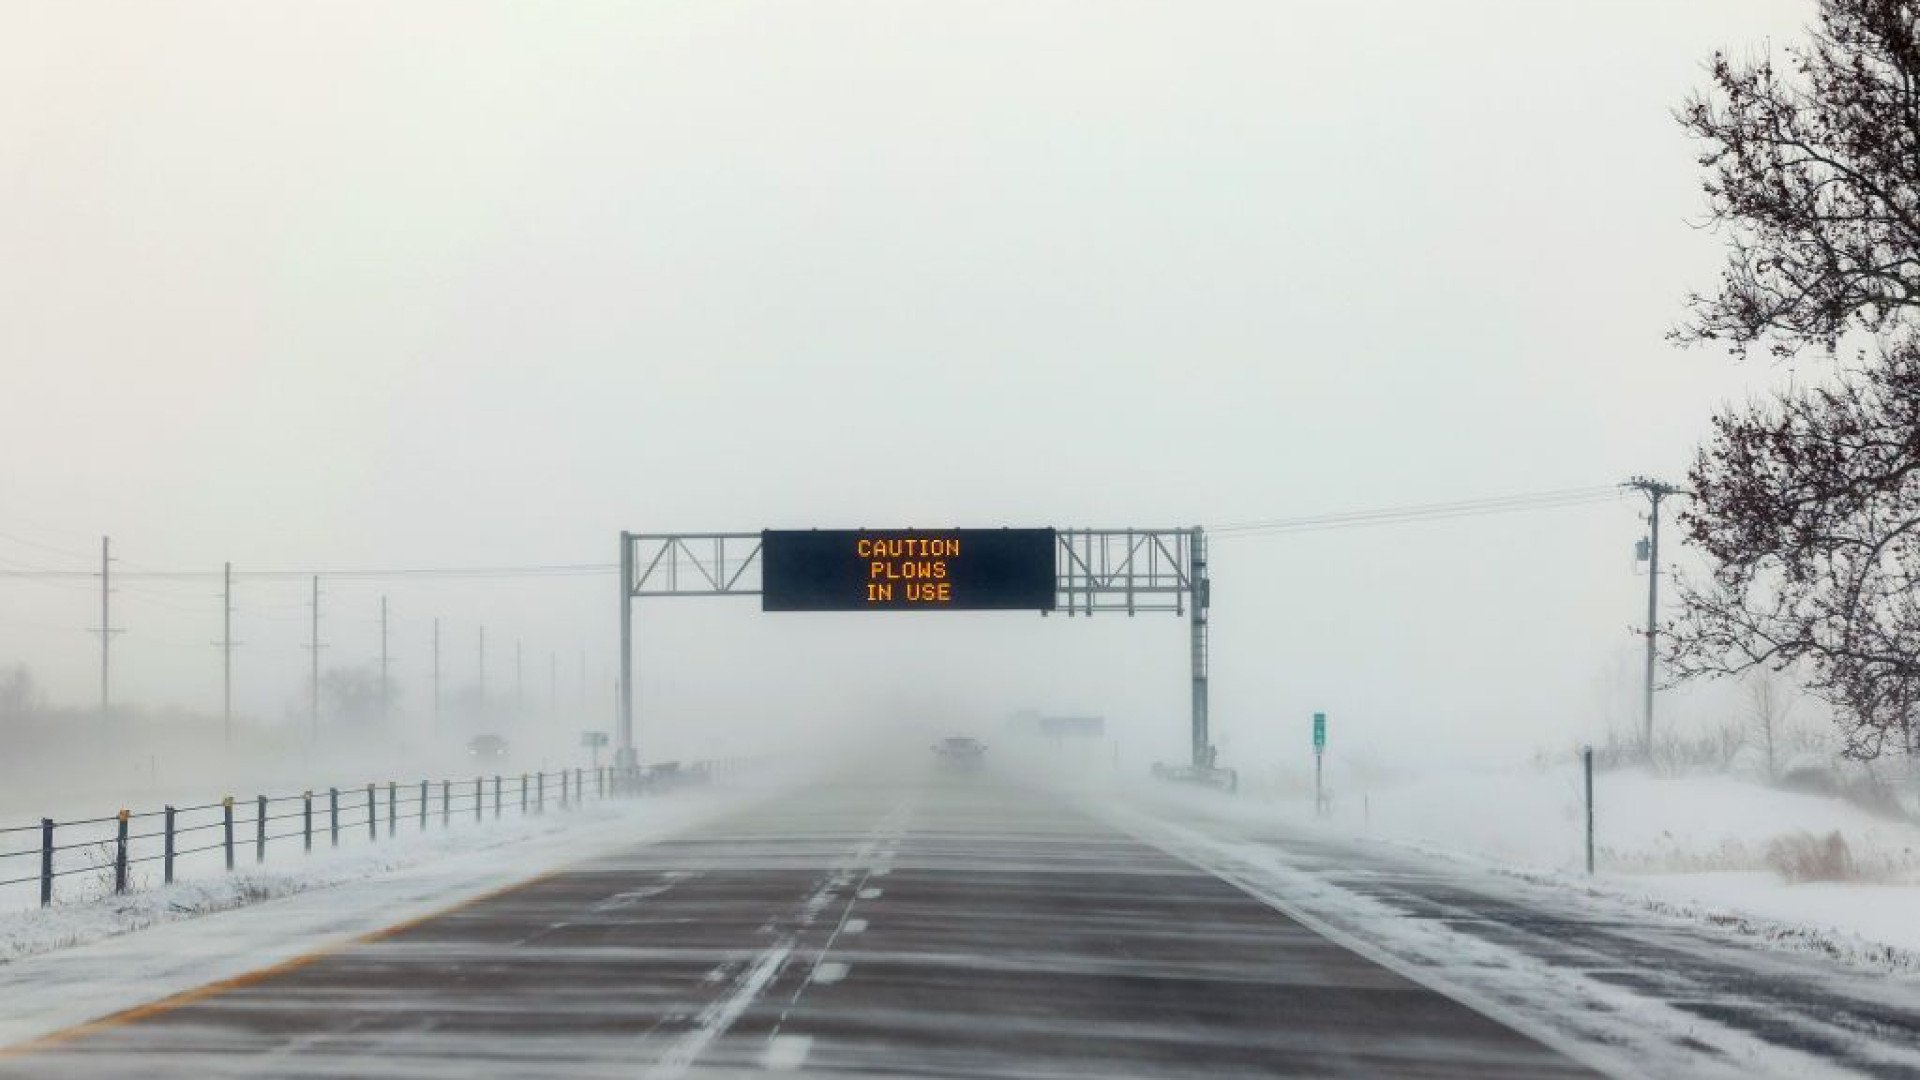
(167, 858)
(226, 814)
(120, 856)
(46, 862)
(423, 806)
(523, 794)
(446, 803)
(333, 815)
(539, 793)
(479, 798)
(373, 813)
(306, 819)
(393, 808)
(260, 829)
(496, 796)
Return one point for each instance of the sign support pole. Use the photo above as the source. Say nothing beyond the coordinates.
(625, 755)
(1319, 752)
(1197, 628)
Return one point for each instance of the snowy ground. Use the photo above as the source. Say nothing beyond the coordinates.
(1465, 886)
(82, 960)
(1689, 843)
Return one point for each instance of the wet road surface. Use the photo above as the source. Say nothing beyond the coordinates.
(946, 925)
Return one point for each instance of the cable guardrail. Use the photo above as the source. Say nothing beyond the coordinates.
(82, 846)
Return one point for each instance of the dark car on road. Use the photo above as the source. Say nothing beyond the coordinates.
(487, 748)
(961, 752)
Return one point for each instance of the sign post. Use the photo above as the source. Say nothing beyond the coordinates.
(1319, 748)
(594, 740)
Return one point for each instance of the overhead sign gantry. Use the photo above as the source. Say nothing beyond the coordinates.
(1075, 571)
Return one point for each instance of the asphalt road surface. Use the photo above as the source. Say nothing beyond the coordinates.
(942, 925)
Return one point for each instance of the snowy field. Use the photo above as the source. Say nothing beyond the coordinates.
(1699, 843)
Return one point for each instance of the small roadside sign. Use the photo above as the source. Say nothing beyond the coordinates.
(1319, 732)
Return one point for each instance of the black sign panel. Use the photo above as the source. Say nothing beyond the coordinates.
(907, 570)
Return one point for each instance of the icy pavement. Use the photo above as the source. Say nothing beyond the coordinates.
(1641, 991)
(951, 925)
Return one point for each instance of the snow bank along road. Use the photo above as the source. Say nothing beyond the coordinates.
(1641, 992)
(935, 926)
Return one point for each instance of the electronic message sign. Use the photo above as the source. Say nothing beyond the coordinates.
(907, 570)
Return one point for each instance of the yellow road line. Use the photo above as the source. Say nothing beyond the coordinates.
(253, 978)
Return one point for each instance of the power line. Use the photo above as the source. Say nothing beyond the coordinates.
(1401, 515)
(359, 574)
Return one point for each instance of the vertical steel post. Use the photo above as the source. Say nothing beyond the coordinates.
(306, 820)
(260, 829)
(1200, 599)
(120, 855)
(46, 862)
(523, 794)
(496, 796)
(479, 799)
(1586, 761)
(226, 820)
(563, 789)
(333, 815)
(167, 849)
(423, 806)
(540, 793)
(446, 803)
(625, 753)
(393, 808)
(373, 812)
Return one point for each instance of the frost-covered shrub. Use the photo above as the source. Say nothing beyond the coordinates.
(1802, 856)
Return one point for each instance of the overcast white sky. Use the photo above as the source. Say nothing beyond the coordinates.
(483, 283)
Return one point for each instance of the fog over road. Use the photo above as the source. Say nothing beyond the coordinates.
(941, 924)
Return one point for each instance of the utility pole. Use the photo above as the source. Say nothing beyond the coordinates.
(313, 645)
(1655, 491)
(226, 653)
(106, 630)
(436, 673)
(386, 698)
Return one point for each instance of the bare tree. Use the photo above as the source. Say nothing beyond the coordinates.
(1813, 175)
(1809, 503)
(1809, 507)
(1767, 711)
(19, 694)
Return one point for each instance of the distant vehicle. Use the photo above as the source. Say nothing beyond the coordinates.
(486, 748)
(961, 751)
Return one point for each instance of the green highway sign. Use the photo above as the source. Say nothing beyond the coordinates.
(1319, 731)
